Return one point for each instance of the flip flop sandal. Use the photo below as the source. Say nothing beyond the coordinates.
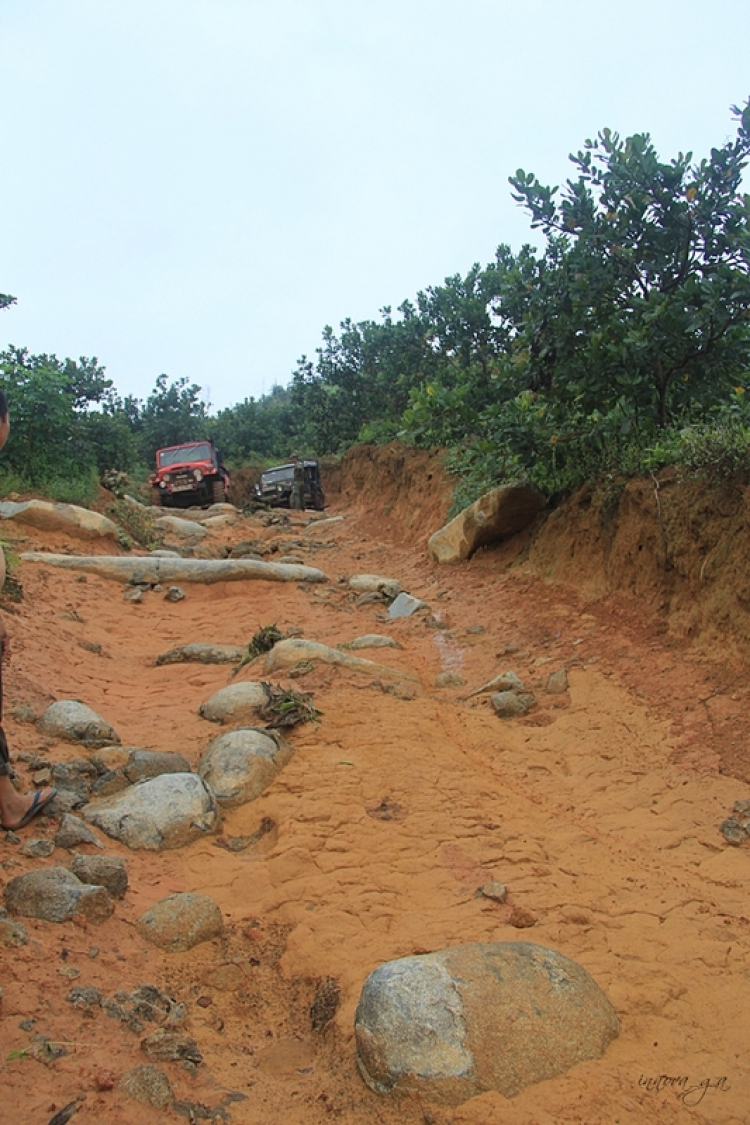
(37, 805)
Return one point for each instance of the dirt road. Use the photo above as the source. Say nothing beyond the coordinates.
(600, 811)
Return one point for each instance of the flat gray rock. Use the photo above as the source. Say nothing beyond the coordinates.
(497, 515)
(198, 653)
(239, 765)
(54, 894)
(166, 812)
(75, 722)
(370, 640)
(454, 1024)
(150, 570)
(235, 703)
(404, 606)
(180, 921)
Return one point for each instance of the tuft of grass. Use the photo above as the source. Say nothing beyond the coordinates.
(287, 708)
(262, 641)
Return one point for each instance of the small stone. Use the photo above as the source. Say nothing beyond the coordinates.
(180, 921)
(69, 971)
(557, 682)
(37, 848)
(733, 832)
(73, 832)
(147, 1084)
(476, 629)
(135, 595)
(24, 714)
(510, 704)
(107, 871)
(174, 594)
(12, 933)
(84, 996)
(449, 679)
(522, 918)
(404, 606)
(741, 808)
(169, 1046)
(496, 891)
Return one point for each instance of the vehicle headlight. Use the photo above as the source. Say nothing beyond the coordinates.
(198, 475)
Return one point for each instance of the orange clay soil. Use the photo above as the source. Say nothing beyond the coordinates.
(600, 811)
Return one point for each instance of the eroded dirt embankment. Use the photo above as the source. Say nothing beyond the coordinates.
(599, 810)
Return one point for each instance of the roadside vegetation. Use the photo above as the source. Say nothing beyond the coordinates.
(619, 347)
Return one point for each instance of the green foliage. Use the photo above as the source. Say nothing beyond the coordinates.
(172, 414)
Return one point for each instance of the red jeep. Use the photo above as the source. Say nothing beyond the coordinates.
(189, 475)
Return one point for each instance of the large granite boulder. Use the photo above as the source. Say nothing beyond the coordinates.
(46, 516)
(501, 1016)
(239, 765)
(495, 516)
(75, 722)
(166, 812)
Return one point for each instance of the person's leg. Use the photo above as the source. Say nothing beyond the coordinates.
(14, 806)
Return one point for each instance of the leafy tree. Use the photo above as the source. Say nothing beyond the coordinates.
(172, 414)
(644, 288)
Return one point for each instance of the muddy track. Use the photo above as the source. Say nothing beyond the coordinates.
(599, 811)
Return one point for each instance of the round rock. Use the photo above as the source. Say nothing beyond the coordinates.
(180, 921)
(234, 704)
(502, 1016)
(75, 722)
(239, 765)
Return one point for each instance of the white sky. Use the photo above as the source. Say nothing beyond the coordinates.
(197, 187)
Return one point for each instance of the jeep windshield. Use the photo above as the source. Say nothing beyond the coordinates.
(199, 451)
(274, 476)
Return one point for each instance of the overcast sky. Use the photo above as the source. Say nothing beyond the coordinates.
(197, 187)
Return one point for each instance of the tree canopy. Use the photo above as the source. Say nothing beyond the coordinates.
(631, 323)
